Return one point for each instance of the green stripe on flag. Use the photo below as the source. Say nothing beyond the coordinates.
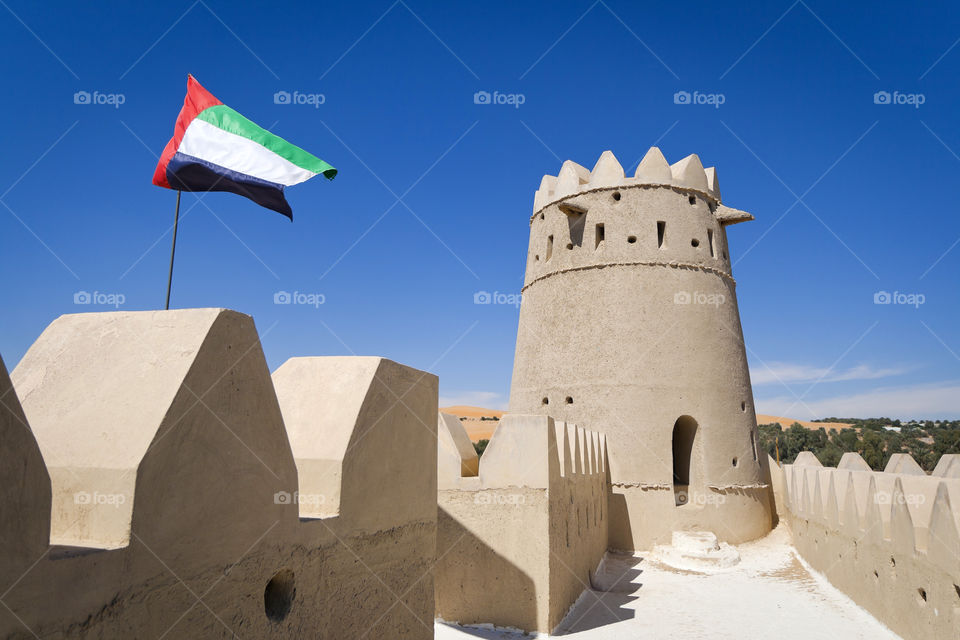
(223, 117)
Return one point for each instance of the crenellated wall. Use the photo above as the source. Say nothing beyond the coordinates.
(889, 539)
(148, 486)
(516, 545)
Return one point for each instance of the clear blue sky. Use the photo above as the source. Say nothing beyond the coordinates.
(434, 192)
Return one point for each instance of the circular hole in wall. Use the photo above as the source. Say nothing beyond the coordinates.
(735, 462)
(743, 406)
(692, 199)
(569, 245)
(631, 239)
(694, 243)
(616, 196)
(922, 595)
(569, 400)
(545, 400)
(279, 594)
(537, 258)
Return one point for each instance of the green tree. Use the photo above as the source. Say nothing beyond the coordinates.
(481, 446)
(871, 450)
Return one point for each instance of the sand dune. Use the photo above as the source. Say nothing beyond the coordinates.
(787, 422)
(476, 428)
(479, 429)
(465, 411)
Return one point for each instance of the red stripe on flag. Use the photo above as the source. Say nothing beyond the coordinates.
(196, 101)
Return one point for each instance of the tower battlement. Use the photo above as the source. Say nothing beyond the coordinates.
(638, 271)
(685, 176)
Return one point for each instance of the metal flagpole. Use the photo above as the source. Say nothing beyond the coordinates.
(173, 248)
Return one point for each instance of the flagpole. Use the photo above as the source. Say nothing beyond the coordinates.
(173, 248)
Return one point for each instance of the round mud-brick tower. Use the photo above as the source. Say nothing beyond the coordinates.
(629, 326)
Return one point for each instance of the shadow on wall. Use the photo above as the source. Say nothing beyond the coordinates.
(459, 563)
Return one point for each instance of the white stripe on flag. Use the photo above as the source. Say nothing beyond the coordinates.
(211, 143)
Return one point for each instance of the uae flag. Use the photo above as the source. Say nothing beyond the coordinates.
(214, 148)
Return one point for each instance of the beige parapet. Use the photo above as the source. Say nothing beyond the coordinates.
(853, 462)
(114, 398)
(24, 489)
(523, 453)
(890, 540)
(903, 463)
(778, 486)
(456, 456)
(516, 546)
(948, 466)
(173, 491)
(360, 405)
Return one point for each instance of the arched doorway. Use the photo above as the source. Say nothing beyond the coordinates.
(684, 437)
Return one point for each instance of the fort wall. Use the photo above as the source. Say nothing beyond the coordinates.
(516, 545)
(889, 540)
(150, 488)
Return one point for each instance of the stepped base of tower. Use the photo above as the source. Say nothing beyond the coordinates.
(643, 517)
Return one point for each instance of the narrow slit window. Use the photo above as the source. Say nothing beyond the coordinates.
(549, 248)
(661, 230)
(713, 252)
(598, 237)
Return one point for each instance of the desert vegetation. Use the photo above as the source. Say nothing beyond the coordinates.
(875, 439)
